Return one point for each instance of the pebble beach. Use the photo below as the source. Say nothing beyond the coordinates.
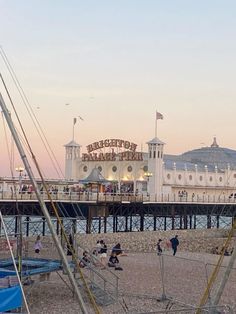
(141, 284)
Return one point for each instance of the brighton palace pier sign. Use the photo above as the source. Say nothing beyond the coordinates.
(128, 153)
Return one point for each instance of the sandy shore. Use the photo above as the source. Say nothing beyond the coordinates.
(140, 284)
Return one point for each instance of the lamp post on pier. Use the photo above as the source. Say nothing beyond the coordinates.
(20, 169)
(148, 175)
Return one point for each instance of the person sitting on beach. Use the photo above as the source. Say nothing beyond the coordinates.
(38, 245)
(117, 249)
(98, 247)
(215, 250)
(85, 260)
(114, 262)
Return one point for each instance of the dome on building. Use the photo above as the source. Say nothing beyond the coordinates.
(211, 156)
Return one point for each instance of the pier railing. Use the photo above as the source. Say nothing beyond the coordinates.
(121, 197)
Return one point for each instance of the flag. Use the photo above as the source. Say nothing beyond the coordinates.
(81, 118)
(159, 115)
(75, 120)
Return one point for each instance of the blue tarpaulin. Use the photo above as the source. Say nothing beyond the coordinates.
(10, 298)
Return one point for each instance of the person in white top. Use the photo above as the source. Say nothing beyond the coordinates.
(38, 245)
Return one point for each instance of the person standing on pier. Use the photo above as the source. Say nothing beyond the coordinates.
(174, 243)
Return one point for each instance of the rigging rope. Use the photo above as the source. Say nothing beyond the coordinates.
(216, 270)
(14, 263)
(31, 114)
(93, 302)
(91, 297)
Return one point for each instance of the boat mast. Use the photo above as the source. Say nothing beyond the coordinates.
(42, 203)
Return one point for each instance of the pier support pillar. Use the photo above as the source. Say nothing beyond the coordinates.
(99, 224)
(155, 223)
(44, 226)
(105, 224)
(27, 225)
(126, 224)
(114, 224)
(141, 222)
(194, 222)
(130, 223)
(16, 225)
(172, 217)
(185, 222)
(180, 222)
(208, 221)
(165, 223)
(190, 221)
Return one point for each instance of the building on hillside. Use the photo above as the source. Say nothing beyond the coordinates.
(206, 172)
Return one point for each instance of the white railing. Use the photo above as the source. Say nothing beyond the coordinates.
(122, 197)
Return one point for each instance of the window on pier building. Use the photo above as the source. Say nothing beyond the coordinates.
(145, 168)
(150, 154)
(154, 154)
(129, 169)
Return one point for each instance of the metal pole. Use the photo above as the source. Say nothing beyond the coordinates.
(224, 280)
(163, 297)
(42, 204)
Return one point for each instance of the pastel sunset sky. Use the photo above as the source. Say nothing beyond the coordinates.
(115, 63)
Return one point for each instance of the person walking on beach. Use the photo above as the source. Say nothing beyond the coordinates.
(174, 243)
(159, 249)
(38, 245)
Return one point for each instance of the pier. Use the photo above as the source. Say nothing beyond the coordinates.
(102, 213)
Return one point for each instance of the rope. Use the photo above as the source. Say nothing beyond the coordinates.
(216, 269)
(91, 297)
(14, 263)
(49, 196)
(30, 112)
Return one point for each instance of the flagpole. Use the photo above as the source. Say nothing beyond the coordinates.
(73, 134)
(156, 124)
(73, 131)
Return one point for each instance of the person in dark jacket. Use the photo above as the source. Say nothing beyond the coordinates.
(159, 249)
(117, 249)
(174, 243)
(114, 262)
